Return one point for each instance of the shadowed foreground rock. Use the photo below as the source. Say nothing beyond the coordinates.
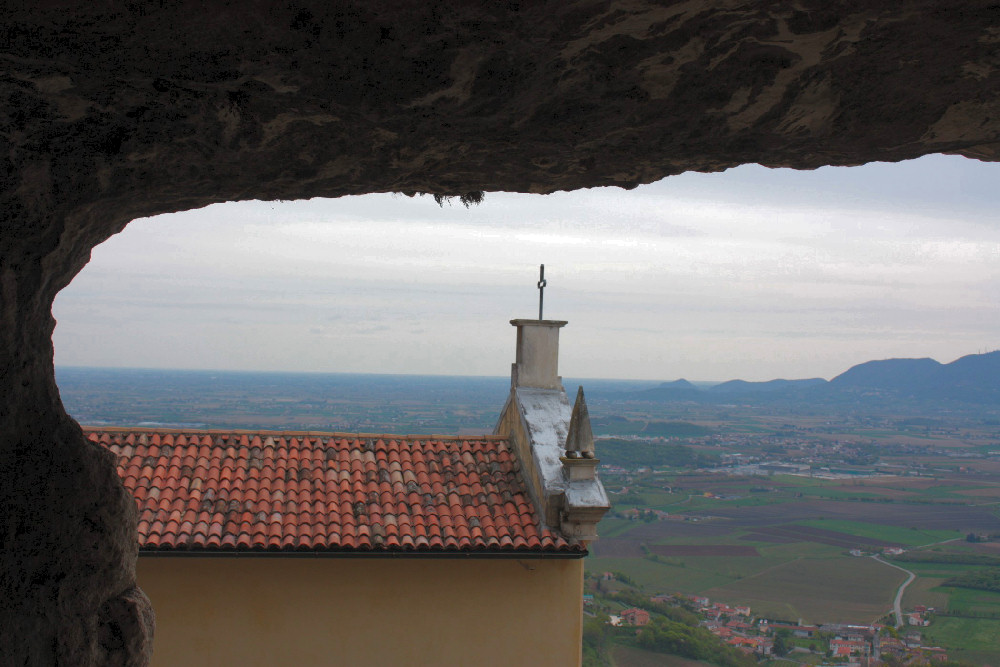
(110, 114)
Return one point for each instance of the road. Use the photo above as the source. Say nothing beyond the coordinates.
(897, 604)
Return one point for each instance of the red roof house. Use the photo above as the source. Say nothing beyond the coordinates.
(334, 548)
(635, 616)
(845, 647)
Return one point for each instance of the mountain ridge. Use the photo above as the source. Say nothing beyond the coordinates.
(973, 378)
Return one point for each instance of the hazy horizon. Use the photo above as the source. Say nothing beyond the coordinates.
(753, 274)
(695, 382)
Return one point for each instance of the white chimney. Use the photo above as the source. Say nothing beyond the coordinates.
(537, 361)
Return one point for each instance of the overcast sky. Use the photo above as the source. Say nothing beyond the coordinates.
(753, 273)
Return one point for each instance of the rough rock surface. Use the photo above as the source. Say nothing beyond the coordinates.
(111, 111)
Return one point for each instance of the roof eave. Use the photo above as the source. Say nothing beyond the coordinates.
(328, 553)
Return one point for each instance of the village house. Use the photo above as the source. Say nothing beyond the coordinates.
(845, 647)
(760, 646)
(935, 654)
(304, 548)
(891, 646)
(700, 602)
(800, 631)
(846, 631)
(712, 626)
(635, 616)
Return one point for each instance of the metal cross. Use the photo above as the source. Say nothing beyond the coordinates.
(541, 289)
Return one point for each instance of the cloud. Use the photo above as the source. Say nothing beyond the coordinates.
(753, 270)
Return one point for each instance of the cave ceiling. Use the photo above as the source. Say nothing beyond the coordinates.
(149, 107)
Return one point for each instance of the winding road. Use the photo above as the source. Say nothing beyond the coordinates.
(897, 604)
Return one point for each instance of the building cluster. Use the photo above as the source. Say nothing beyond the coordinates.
(919, 616)
(868, 551)
(861, 645)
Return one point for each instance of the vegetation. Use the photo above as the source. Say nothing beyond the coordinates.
(782, 642)
(477, 197)
(638, 453)
(633, 598)
(596, 635)
(667, 636)
(969, 634)
(468, 198)
(899, 534)
(983, 580)
(959, 558)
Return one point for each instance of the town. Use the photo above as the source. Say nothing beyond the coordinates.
(737, 626)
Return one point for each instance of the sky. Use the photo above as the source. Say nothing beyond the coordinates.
(752, 273)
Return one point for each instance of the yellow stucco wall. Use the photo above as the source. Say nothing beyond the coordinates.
(336, 611)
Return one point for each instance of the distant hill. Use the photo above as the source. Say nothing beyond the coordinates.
(972, 379)
(678, 390)
(742, 386)
(889, 374)
(677, 384)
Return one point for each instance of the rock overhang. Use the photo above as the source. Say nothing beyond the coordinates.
(286, 102)
(112, 113)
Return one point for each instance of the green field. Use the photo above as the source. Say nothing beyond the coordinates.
(633, 656)
(840, 494)
(787, 581)
(695, 574)
(966, 600)
(953, 492)
(660, 577)
(899, 534)
(926, 591)
(979, 638)
(612, 527)
(943, 570)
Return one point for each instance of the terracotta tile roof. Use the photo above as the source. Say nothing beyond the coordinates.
(327, 492)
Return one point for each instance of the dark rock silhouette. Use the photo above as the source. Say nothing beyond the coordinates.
(112, 112)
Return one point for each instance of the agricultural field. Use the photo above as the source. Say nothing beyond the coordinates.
(818, 590)
(782, 543)
(633, 656)
(971, 640)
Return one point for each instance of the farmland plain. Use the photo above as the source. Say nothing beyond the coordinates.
(758, 504)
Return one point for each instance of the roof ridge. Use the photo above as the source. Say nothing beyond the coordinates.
(270, 432)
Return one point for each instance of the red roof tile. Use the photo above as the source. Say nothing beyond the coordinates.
(270, 491)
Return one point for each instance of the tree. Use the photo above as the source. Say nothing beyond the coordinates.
(782, 642)
(595, 631)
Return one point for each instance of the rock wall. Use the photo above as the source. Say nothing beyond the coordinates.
(112, 111)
